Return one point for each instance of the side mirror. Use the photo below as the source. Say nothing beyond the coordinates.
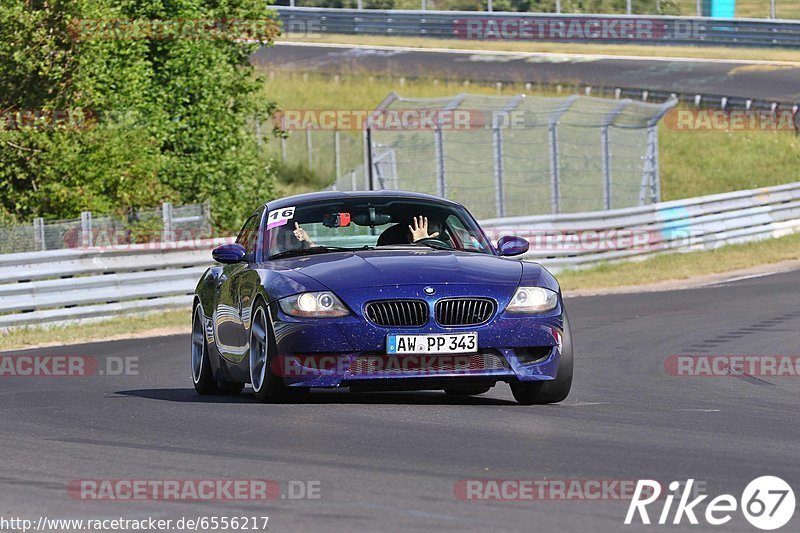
(510, 245)
(229, 253)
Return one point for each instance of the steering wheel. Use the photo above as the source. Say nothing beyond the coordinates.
(433, 240)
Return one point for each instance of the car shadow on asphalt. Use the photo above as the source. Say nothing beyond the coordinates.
(188, 395)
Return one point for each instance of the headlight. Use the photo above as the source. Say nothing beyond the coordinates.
(533, 300)
(323, 304)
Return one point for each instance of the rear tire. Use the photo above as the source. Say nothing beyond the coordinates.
(553, 391)
(202, 373)
(466, 390)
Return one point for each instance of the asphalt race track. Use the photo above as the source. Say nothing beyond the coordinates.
(389, 461)
(756, 80)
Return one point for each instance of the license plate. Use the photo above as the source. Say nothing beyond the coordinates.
(432, 344)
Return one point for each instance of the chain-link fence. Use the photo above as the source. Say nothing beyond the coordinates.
(515, 155)
(162, 224)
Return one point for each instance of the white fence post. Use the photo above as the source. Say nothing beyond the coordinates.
(166, 217)
(86, 229)
(38, 233)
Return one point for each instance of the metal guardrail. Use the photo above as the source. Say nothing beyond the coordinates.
(68, 285)
(666, 30)
(579, 240)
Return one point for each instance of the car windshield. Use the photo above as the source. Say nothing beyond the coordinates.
(371, 222)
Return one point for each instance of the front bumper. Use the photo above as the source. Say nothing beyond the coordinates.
(340, 352)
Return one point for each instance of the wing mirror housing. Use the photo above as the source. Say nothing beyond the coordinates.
(511, 245)
(229, 253)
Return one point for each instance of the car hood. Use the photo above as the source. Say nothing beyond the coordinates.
(376, 268)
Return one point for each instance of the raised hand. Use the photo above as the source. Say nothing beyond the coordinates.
(419, 229)
(301, 234)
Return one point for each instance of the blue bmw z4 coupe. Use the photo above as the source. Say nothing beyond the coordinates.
(377, 290)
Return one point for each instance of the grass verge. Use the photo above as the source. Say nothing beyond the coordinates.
(683, 266)
(173, 321)
(698, 52)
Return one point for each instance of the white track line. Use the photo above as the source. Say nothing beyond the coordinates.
(540, 54)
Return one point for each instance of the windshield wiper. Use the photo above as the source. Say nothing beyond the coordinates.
(316, 250)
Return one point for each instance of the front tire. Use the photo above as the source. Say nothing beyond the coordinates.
(202, 373)
(553, 391)
(267, 386)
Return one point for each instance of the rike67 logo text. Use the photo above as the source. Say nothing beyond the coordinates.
(767, 502)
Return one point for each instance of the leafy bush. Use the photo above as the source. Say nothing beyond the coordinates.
(142, 119)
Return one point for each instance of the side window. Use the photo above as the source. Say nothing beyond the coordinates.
(462, 237)
(248, 237)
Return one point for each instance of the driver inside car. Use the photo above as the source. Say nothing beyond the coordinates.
(417, 231)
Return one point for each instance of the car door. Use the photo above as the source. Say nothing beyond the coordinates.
(228, 318)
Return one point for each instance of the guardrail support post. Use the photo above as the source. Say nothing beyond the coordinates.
(166, 217)
(38, 233)
(86, 229)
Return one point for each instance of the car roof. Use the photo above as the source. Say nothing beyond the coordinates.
(341, 195)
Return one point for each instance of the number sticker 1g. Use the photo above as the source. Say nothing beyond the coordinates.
(279, 217)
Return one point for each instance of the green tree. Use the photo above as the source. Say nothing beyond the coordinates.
(104, 115)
